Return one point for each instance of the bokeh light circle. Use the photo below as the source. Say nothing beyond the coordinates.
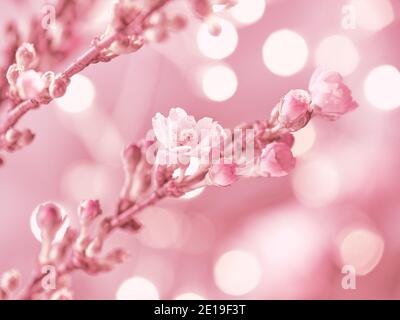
(189, 296)
(248, 11)
(338, 53)
(373, 15)
(217, 46)
(382, 87)
(79, 96)
(316, 182)
(304, 140)
(85, 180)
(137, 288)
(285, 52)
(362, 249)
(237, 272)
(219, 83)
(163, 228)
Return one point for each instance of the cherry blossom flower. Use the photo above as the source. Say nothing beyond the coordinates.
(181, 137)
(331, 98)
(223, 175)
(294, 109)
(276, 160)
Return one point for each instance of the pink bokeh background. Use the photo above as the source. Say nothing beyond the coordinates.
(291, 236)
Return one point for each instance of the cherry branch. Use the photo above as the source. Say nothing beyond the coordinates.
(157, 168)
(134, 23)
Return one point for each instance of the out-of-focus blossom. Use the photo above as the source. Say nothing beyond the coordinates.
(13, 73)
(330, 97)
(62, 294)
(294, 109)
(29, 84)
(89, 210)
(58, 87)
(10, 280)
(287, 138)
(26, 56)
(223, 175)
(180, 137)
(131, 157)
(276, 160)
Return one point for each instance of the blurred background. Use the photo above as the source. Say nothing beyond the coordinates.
(260, 238)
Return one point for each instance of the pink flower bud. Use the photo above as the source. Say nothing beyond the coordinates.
(131, 157)
(127, 45)
(13, 73)
(202, 7)
(287, 138)
(294, 110)
(48, 78)
(3, 295)
(10, 280)
(25, 138)
(58, 87)
(330, 97)
(117, 256)
(62, 294)
(276, 160)
(89, 210)
(12, 136)
(29, 84)
(223, 175)
(25, 56)
(49, 220)
(155, 34)
(157, 19)
(214, 28)
(177, 22)
(124, 13)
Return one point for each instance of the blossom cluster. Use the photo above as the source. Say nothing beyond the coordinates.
(181, 155)
(177, 136)
(260, 149)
